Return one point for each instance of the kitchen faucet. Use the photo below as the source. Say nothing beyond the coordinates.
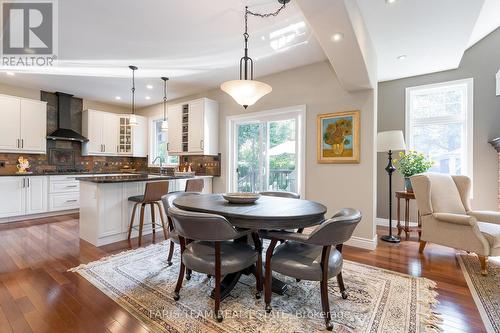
(161, 161)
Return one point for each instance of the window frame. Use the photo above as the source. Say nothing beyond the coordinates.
(152, 142)
(468, 118)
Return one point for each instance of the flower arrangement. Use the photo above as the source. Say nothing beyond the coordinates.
(336, 134)
(23, 165)
(412, 163)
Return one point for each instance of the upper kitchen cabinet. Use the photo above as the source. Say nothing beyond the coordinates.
(24, 125)
(193, 128)
(110, 134)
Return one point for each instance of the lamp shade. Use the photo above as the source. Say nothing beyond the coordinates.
(246, 92)
(390, 140)
(132, 120)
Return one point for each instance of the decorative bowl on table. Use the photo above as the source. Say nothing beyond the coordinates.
(241, 197)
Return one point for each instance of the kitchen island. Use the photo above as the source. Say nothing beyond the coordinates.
(105, 211)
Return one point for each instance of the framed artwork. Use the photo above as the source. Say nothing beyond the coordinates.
(338, 137)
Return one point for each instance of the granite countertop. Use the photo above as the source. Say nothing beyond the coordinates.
(62, 173)
(127, 178)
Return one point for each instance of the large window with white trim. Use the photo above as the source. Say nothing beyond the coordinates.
(439, 124)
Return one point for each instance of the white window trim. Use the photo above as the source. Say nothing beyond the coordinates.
(151, 138)
(469, 114)
(300, 110)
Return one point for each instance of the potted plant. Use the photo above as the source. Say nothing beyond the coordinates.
(411, 163)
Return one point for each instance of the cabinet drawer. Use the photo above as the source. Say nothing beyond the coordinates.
(64, 178)
(63, 187)
(64, 201)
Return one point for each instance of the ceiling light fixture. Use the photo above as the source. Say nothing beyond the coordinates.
(247, 91)
(401, 57)
(147, 98)
(149, 86)
(337, 37)
(118, 98)
(164, 123)
(10, 73)
(390, 2)
(133, 118)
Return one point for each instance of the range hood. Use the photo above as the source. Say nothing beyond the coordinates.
(64, 131)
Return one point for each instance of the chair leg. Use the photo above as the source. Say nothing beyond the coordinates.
(258, 273)
(170, 253)
(484, 265)
(178, 286)
(325, 304)
(340, 281)
(300, 230)
(132, 221)
(162, 221)
(218, 313)
(153, 219)
(141, 224)
(422, 246)
(269, 274)
(188, 274)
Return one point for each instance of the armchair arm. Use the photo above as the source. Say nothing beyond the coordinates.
(486, 216)
(455, 218)
(285, 235)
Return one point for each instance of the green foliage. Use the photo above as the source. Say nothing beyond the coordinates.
(412, 163)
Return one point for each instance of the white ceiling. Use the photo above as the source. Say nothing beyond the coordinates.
(197, 44)
(432, 34)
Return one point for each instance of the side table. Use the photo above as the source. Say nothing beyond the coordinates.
(407, 196)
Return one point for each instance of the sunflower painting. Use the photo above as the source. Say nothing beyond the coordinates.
(338, 137)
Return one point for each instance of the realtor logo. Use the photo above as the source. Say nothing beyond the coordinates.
(29, 32)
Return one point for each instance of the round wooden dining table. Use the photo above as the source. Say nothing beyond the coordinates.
(267, 213)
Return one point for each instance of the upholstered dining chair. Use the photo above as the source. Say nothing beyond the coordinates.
(447, 217)
(207, 246)
(311, 257)
(282, 194)
(194, 185)
(168, 201)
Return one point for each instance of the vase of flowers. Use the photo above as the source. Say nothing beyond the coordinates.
(411, 163)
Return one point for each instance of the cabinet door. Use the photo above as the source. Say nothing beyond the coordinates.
(36, 195)
(175, 129)
(196, 127)
(33, 126)
(10, 126)
(92, 130)
(110, 133)
(140, 138)
(13, 196)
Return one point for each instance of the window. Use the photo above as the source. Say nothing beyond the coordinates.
(267, 151)
(158, 146)
(439, 124)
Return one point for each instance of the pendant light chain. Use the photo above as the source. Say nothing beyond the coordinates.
(133, 90)
(165, 79)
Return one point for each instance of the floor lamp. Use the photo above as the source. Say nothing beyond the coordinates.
(387, 142)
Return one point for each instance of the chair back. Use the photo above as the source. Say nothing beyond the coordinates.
(155, 190)
(439, 193)
(168, 200)
(201, 226)
(281, 194)
(336, 230)
(194, 185)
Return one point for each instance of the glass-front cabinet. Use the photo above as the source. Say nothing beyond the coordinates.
(125, 138)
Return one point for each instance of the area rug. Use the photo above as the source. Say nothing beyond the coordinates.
(379, 300)
(485, 289)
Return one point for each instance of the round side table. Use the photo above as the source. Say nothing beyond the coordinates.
(407, 196)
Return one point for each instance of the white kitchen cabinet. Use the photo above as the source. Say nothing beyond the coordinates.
(22, 195)
(23, 127)
(194, 128)
(110, 134)
(133, 140)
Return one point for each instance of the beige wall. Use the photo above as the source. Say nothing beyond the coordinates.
(35, 94)
(317, 87)
(480, 62)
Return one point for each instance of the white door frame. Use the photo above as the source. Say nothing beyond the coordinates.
(299, 111)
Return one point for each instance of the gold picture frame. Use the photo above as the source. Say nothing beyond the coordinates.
(338, 137)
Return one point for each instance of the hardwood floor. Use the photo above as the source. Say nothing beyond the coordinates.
(38, 295)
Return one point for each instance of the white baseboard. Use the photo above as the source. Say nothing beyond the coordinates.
(37, 216)
(385, 222)
(363, 243)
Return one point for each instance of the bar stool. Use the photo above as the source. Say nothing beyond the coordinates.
(152, 195)
(194, 185)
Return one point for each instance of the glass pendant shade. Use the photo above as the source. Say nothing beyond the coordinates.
(164, 126)
(246, 92)
(132, 120)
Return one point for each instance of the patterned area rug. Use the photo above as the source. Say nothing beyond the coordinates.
(485, 289)
(379, 300)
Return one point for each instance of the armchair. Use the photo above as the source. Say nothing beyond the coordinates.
(447, 218)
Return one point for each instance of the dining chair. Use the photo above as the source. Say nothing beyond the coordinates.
(152, 195)
(311, 257)
(168, 202)
(194, 185)
(282, 194)
(207, 246)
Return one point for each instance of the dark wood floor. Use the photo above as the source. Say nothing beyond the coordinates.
(38, 295)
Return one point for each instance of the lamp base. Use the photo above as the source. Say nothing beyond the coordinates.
(391, 238)
(283, 2)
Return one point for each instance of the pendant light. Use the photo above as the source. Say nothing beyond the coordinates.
(247, 91)
(164, 123)
(133, 118)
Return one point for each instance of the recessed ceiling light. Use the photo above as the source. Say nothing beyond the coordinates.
(337, 37)
(10, 73)
(148, 98)
(401, 57)
(149, 86)
(118, 98)
(263, 37)
(389, 2)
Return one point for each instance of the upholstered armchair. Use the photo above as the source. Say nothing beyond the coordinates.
(447, 218)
